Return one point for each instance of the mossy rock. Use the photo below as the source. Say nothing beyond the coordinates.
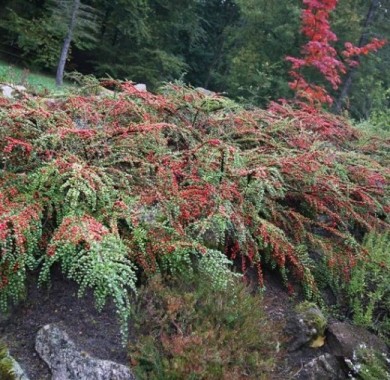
(306, 327)
(312, 317)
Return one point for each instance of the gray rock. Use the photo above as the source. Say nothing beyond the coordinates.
(8, 90)
(324, 367)
(204, 91)
(343, 339)
(141, 87)
(67, 363)
(18, 371)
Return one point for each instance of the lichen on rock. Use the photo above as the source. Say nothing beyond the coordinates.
(307, 326)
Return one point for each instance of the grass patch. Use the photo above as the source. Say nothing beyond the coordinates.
(36, 82)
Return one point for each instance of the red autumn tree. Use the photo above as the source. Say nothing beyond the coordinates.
(319, 53)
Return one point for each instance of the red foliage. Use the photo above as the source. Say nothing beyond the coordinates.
(319, 53)
(354, 51)
(12, 143)
(325, 126)
(17, 217)
(166, 175)
(76, 231)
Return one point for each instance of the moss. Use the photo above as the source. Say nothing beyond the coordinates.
(6, 364)
(312, 316)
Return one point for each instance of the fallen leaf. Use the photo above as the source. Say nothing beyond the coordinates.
(318, 342)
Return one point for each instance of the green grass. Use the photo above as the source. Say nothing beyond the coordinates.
(38, 82)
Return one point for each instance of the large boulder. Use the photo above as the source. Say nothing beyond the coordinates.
(344, 339)
(66, 362)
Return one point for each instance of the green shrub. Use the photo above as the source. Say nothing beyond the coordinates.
(368, 291)
(367, 364)
(95, 259)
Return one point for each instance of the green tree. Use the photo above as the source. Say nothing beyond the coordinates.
(67, 41)
(78, 22)
(123, 35)
(145, 40)
(366, 89)
(41, 30)
(25, 37)
(207, 48)
(363, 39)
(266, 33)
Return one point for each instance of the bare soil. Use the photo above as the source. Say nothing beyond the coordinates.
(95, 333)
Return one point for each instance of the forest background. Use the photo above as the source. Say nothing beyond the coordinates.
(236, 47)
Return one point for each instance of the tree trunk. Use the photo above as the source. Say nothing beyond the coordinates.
(66, 44)
(346, 87)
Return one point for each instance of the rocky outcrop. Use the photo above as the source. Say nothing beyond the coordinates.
(66, 362)
(337, 357)
(324, 367)
(344, 339)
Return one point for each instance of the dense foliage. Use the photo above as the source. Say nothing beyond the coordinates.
(132, 183)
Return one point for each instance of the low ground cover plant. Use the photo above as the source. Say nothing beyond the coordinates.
(121, 187)
(368, 364)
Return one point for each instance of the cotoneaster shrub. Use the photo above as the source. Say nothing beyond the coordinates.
(142, 183)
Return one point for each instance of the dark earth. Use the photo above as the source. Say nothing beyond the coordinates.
(97, 333)
(93, 332)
